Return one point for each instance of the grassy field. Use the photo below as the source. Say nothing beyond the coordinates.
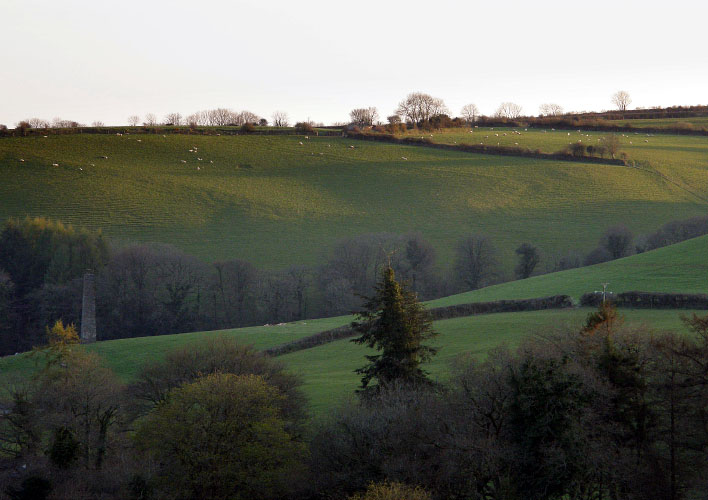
(126, 356)
(328, 370)
(276, 202)
(696, 121)
(679, 268)
(683, 159)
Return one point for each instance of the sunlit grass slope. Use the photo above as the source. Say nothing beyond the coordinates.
(683, 159)
(328, 370)
(276, 202)
(126, 356)
(679, 268)
(696, 121)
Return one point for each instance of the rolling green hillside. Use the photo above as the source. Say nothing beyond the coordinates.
(276, 202)
(328, 370)
(696, 121)
(679, 268)
(683, 159)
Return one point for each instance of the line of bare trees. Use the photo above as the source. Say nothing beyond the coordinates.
(416, 108)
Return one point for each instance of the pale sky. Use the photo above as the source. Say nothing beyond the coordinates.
(105, 60)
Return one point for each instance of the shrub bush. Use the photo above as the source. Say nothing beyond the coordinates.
(222, 436)
(392, 491)
(304, 128)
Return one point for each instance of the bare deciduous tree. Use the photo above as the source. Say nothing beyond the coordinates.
(418, 107)
(246, 117)
(150, 120)
(508, 110)
(195, 119)
(476, 261)
(219, 117)
(364, 116)
(469, 112)
(98, 123)
(133, 120)
(550, 109)
(622, 100)
(280, 119)
(37, 123)
(173, 119)
(62, 123)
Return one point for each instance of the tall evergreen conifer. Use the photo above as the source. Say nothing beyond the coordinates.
(395, 323)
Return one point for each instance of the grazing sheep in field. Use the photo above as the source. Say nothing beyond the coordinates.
(351, 147)
(45, 136)
(198, 168)
(81, 169)
(199, 159)
(210, 161)
(300, 143)
(307, 137)
(403, 158)
(22, 160)
(93, 164)
(183, 161)
(104, 157)
(140, 140)
(646, 140)
(55, 164)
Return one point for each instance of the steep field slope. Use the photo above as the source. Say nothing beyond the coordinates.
(277, 202)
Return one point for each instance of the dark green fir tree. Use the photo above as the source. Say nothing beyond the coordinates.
(395, 323)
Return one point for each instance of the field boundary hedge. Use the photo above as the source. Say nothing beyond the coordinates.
(483, 149)
(437, 313)
(649, 300)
